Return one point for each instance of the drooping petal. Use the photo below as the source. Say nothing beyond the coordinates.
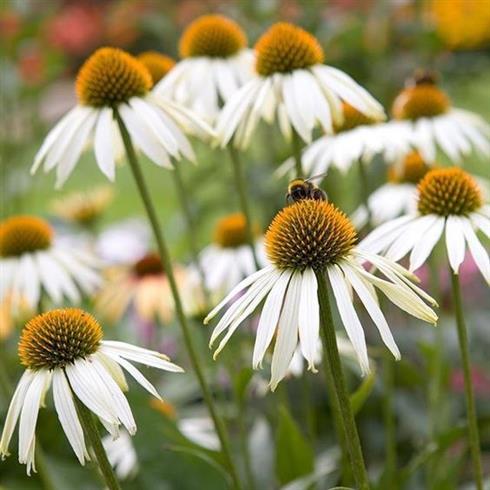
(287, 332)
(67, 414)
(349, 316)
(455, 244)
(30, 412)
(269, 318)
(309, 318)
(13, 413)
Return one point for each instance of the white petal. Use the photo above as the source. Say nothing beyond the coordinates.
(372, 307)
(103, 144)
(309, 318)
(55, 279)
(143, 138)
(287, 332)
(30, 411)
(53, 136)
(349, 316)
(120, 404)
(91, 392)
(15, 407)
(255, 296)
(239, 287)
(269, 318)
(135, 373)
(71, 155)
(455, 245)
(67, 414)
(424, 246)
(478, 252)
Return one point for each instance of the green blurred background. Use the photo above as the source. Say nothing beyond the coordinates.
(378, 42)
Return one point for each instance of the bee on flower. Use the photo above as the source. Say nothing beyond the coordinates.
(425, 110)
(64, 349)
(309, 241)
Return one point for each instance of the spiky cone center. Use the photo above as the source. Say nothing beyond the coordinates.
(24, 234)
(214, 36)
(59, 337)
(448, 191)
(412, 170)
(157, 64)
(285, 48)
(149, 265)
(111, 76)
(309, 233)
(424, 99)
(352, 119)
(231, 231)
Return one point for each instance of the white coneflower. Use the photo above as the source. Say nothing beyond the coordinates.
(425, 110)
(215, 64)
(229, 259)
(83, 208)
(64, 348)
(398, 196)
(112, 80)
(143, 286)
(158, 64)
(123, 242)
(359, 137)
(32, 263)
(306, 240)
(121, 455)
(292, 84)
(449, 203)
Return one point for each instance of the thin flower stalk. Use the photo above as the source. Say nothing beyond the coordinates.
(330, 345)
(167, 263)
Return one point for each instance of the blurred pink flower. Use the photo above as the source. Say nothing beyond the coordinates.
(10, 24)
(481, 381)
(31, 65)
(76, 29)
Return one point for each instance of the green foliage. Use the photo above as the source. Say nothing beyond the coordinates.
(294, 456)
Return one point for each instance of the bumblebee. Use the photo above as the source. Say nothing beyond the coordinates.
(301, 189)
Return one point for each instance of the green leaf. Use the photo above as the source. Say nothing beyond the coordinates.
(294, 456)
(359, 397)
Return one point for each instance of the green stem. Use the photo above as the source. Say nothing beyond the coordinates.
(338, 422)
(391, 480)
(365, 193)
(474, 438)
(241, 187)
(192, 234)
(296, 147)
(333, 359)
(92, 432)
(435, 384)
(179, 310)
(43, 470)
